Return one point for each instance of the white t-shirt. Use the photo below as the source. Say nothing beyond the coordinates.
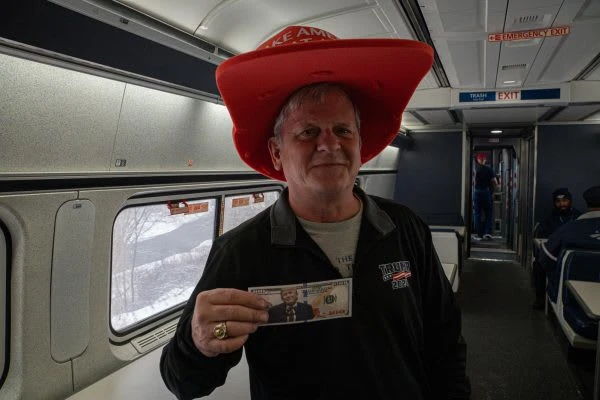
(337, 240)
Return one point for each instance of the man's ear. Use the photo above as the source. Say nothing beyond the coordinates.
(274, 150)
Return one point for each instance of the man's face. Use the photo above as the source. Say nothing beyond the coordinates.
(289, 296)
(562, 204)
(319, 148)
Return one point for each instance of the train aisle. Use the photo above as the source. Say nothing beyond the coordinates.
(514, 352)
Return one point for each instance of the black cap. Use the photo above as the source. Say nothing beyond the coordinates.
(561, 193)
(592, 196)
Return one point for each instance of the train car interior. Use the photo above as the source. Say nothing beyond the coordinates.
(118, 170)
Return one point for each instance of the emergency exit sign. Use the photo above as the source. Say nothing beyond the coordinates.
(531, 34)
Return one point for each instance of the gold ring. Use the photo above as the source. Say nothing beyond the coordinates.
(220, 331)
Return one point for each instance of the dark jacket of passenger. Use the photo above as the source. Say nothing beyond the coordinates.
(403, 339)
(555, 220)
(584, 233)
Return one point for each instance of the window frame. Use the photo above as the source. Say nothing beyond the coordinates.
(146, 199)
(5, 262)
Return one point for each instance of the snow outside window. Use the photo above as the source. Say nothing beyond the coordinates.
(157, 259)
(241, 207)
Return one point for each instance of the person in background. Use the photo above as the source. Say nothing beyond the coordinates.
(309, 109)
(485, 186)
(583, 233)
(562, 212)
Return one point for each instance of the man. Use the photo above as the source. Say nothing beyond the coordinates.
(583, 233)
(485, 185)
(404, 335)
(290, 310)
(562, 213)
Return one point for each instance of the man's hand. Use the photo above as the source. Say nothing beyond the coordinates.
(241, 311)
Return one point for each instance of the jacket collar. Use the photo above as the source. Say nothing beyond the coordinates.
(283, 219)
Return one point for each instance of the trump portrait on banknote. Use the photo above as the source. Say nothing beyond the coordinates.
(290, 310)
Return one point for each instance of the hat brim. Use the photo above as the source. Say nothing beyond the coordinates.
(379, 74)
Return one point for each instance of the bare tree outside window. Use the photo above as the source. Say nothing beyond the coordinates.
(239, 208)
(157, 259)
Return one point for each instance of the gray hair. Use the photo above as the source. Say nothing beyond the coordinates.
(316, 91)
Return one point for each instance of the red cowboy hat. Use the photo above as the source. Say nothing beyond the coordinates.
(379, 74)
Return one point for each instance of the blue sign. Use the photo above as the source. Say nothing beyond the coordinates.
(526, 94)
(470, 97)
(539, 94)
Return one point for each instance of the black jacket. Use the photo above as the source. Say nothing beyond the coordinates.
(555, 220)
(403, 339)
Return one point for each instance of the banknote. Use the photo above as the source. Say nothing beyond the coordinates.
(307, 302)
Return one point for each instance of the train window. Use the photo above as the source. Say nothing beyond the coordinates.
(239, 208)
(158, 255)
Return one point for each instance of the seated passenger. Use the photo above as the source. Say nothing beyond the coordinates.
(562, 213)
(583, 233)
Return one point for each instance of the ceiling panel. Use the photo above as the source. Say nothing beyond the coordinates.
(182, 14)
(467, 57)
(531, 14)
(436, 117)
(464, 16)
(409, 121)
(562, 58)
(594, 76)
(595, 117)
(394, 17)
(515, 60)
(591, 10)
(363, 23)
(428, 82)
(576, 113)
(506, 115)
(233, 24)
(578, 48)
(458, 30)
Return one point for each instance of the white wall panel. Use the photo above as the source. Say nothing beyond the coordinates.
(386, 160)
(32, 375)
(54, 119)
(71, 262)
(163, 132)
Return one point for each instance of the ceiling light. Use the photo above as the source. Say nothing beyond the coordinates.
(496, 131)
(507, 82)
(203, 27)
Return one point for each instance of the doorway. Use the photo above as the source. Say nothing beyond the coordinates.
(509, 159)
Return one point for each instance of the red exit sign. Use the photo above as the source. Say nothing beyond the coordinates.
(509, 95)
(531, 34)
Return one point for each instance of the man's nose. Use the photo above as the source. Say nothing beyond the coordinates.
(328, 140)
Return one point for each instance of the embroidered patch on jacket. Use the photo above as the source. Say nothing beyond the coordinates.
(397, 272)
